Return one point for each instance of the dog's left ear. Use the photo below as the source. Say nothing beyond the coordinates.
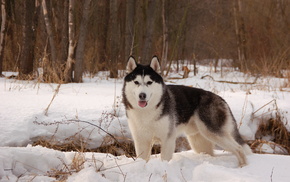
(131, 65)
(155, 65)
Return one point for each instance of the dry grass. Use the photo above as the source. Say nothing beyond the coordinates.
(261, 147)
(75, 166)
(124, 146)
(120, 145)
(275, 129)
(272, 130)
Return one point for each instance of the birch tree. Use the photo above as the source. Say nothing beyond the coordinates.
(71, 47)
(2, 34)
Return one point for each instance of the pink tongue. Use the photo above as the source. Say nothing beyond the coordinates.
(142, 103)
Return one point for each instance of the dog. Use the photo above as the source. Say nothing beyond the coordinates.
(157, 112)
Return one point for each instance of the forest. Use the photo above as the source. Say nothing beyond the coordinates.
(68, 38)
(61, 67)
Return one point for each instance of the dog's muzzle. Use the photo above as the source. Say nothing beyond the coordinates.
(142, 102)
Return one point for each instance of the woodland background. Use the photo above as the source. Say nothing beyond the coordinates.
(69, 37)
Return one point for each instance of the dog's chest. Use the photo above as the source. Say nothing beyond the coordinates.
(149, 123)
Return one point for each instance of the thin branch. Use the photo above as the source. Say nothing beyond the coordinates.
(274, 100)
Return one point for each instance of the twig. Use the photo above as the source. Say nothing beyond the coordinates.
(272, 174)
(95, 160)
(274, 100)
(55, 93)
(182, 175)
(121, 170)
(150, 177)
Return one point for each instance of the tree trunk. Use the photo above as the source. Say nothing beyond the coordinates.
(2, 35)
(102, 37)
(240, 34)
(71, 48)
(165, 36)
(150, 24)
(173, 54)
(129, 30)
(49, 33)
(81, 43)
(63, 53)
(28, 40)
(114, 41)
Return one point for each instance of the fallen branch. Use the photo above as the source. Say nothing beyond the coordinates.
(231, 82)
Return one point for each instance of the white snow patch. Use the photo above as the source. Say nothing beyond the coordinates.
(98, 101)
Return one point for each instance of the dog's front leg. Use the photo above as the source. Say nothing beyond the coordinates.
(167, 148)
(143, 147)
(142, 139)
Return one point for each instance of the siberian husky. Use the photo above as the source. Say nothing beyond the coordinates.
(160, 113)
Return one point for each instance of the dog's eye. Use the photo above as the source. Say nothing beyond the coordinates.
(136, 82)
(149, 83)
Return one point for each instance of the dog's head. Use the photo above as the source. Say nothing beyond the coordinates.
(143, 86)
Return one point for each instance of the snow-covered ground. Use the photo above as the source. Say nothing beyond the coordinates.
(24, 118)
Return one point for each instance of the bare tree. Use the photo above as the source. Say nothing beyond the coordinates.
(28, 40)
(2, 34)
(165, 36)
(114, 39)
(240, 33)
(129, 38)
(63, 53)
(180, 30)
(81, 42)
(102, 19)
(49, 31)
(150, 25)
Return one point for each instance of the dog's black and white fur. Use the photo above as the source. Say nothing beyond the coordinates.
(160, 113)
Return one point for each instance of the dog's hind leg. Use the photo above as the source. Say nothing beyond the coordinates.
(228, 143)
(200, 144)
(225, 140)
(238, 138)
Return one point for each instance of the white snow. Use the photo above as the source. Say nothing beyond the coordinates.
(98, 101)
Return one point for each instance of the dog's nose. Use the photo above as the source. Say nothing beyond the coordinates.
(142, 96)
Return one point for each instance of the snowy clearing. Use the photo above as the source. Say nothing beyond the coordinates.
(98, 100)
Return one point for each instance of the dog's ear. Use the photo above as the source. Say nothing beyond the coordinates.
(131, 64)
(155, 65)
